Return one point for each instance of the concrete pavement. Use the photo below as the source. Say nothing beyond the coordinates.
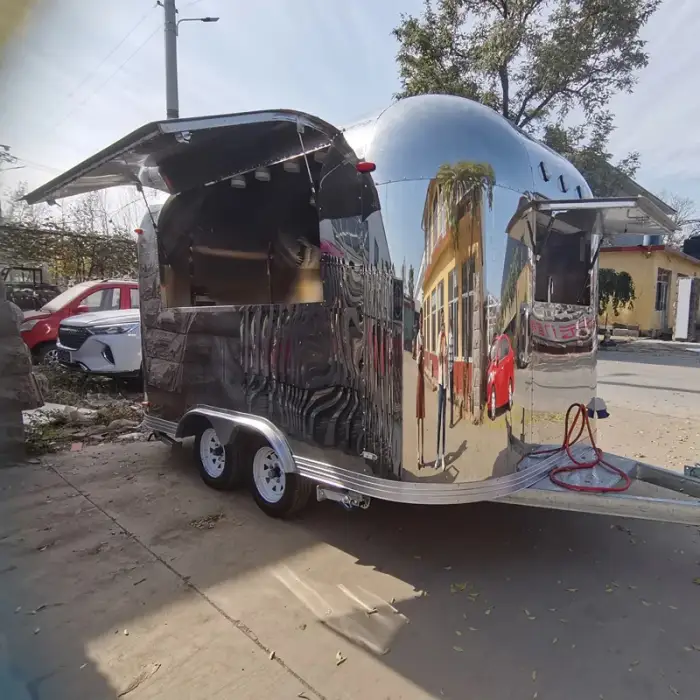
(132, 579)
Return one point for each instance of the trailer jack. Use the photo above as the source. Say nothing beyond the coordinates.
(347, 499)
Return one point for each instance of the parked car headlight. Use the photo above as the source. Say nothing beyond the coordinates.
(117, 329)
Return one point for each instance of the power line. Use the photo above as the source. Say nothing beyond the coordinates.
(110, 54)
(104, 82)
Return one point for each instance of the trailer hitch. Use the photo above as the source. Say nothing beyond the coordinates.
(347, 499)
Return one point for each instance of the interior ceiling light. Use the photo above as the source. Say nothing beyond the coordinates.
(262, 174)
(291, 166)
(238, 182)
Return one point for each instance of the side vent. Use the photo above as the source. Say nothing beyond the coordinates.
(544, 172)
(562, 184)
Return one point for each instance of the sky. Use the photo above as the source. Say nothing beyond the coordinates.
(83, 73)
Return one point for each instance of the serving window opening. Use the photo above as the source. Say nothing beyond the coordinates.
(250, 239)
(563, 256)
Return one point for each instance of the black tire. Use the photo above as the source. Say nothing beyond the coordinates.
(232, 473)
(43, 351)
(297, 490)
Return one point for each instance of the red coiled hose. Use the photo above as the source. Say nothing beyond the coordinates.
(569, 442)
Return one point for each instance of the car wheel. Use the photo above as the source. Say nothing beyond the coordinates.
(510, 395)
(492, 404)
(218, 464)
(47, 354)
(277, 493)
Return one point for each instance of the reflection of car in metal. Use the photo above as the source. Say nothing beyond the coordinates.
(40, 328)
(500, 380)
(105, 342)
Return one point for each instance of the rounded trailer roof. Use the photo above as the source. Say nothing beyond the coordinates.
(413, 137)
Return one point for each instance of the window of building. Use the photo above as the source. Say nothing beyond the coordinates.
(467, 308)
(441, 305)
(452, 301)
(433, 320)
(663, 282)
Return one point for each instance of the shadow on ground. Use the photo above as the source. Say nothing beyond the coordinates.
(483, 601)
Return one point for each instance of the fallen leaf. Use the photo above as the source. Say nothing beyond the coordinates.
(673, 690)
(696, 581)
(632, 588)
(646, 603)
(272, 656)
(458, 648)
(552, 609)
(609, 589)
(417, 556)
(672, 607)
(572, 590)
(473, 629)
(531, 617)
(458, 587)
(535, 695)
(687, 648)
(37, 630)
(562, 619)
(488, 611)
(634, 663)
(458, 633)
(339, 658)
(534, 675)
(448, 568)
(555, 640)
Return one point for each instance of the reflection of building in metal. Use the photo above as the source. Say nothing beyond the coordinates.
(447, 283)
(655, 271)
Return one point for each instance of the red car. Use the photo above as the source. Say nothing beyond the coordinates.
(500, 383)
(40, 328)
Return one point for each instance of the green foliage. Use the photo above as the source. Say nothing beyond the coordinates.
(615, 291)
(534, 61)
(464, 183)
(84, 243)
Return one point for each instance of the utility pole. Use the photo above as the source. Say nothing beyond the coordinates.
(171, 25)
(172, 103)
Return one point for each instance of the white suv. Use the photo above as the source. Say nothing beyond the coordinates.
(104, 342)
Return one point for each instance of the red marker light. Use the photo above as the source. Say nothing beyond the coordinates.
(138, 231)
(365, 167)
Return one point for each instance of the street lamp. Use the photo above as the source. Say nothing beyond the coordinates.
(171, 33)
(194, 19)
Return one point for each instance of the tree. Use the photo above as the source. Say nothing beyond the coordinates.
(686, 218)
(615, 291)
(534, 61)
(81, 241)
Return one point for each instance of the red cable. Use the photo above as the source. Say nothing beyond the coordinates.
(569, 442)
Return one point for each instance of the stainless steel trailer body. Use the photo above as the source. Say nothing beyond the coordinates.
(402, 310)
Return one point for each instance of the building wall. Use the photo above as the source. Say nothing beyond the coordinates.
(444, 258)
(643, 266)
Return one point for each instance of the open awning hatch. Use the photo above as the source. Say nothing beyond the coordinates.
(181, 154)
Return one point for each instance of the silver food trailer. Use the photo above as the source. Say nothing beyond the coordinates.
(275, 283)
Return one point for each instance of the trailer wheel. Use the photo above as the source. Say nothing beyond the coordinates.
(279, 494)
(218, 464)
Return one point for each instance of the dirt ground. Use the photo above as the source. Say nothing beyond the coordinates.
(122, 575)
